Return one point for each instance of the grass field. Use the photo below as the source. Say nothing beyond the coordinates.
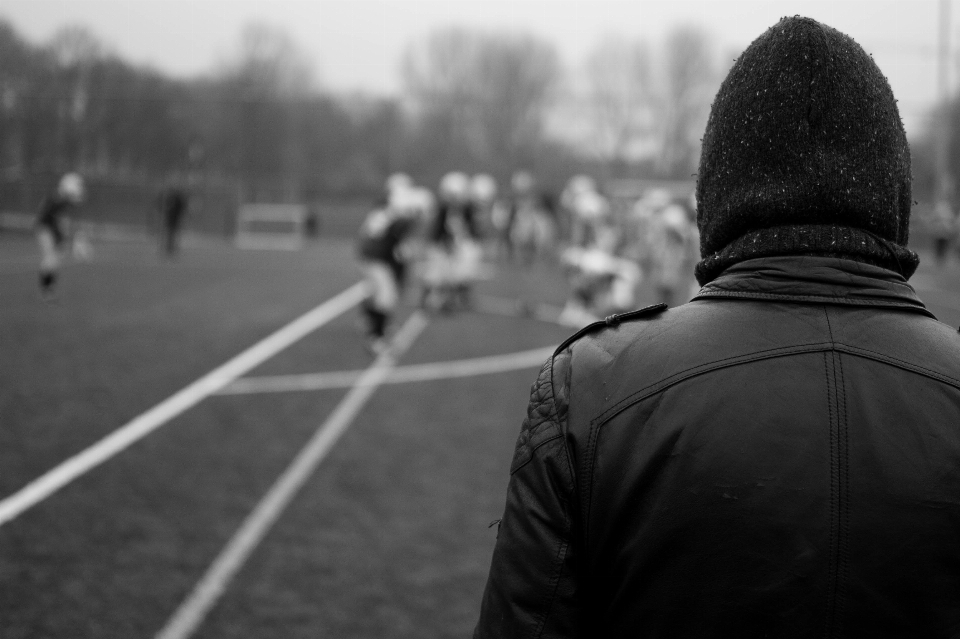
(388, 537)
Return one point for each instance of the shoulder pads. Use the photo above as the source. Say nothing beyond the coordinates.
(612, 320)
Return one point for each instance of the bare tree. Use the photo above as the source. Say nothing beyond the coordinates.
(439, 74)
(76, 51)
(689, 85)
(619, 89)
(76, 46)
(516, 77)
(263, 85)
(269, 64)
(489, 91)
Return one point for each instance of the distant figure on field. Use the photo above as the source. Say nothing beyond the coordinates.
(173, 203)
(53, 228)
(944, 229)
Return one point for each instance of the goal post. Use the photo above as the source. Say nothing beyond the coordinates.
(271, 226)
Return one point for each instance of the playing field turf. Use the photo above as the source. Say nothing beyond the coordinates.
(388, 537)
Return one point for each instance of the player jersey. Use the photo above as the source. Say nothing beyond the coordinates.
(52, 210)
(381, 234)
(453, 221)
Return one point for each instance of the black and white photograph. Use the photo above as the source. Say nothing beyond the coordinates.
(425, 319)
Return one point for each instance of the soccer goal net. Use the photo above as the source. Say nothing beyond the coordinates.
(271, 226)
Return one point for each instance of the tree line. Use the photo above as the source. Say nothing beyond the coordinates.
(472, 100)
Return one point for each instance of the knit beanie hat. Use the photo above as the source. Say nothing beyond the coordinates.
(804, 154)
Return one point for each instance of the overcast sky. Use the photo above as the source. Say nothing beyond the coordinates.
(357, 44)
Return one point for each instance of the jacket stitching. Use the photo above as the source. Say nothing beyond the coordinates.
(563, 543)
(831, 569)
(759, 355)
(844, 550)
(568, 381)
(845, 299)
(709, 366)
(552, 420)
(561, 552)
(838, 299)
(586, 488)
(900, 363)
(590, 461)
(543, 395)
(553, 392)
(534, 450)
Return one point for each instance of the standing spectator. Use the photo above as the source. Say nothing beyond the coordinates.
(173, 204)
(53, 228)
(781, 456)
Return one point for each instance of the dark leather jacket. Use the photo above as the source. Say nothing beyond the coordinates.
(779, 457)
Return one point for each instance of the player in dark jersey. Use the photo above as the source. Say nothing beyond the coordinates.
(51, 228)
(173, 204)
(381, 256)
(454, 256)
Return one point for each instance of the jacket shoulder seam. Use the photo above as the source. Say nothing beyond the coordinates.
(533, 451)
(693, 371)
(899, 363)
(612, 320)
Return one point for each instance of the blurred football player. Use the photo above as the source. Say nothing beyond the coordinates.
(584, 209)
(53, 228)
(454, 255)
(397, 182)
(601, 281)
(483, 196)
(533, 230)
(383, 260)
(674, 245)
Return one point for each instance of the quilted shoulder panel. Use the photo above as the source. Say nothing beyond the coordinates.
(546, 410)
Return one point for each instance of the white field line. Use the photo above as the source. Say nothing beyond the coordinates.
(211, 586)
(401, 374)
(139, 427)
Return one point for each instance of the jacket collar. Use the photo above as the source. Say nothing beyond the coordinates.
(815, 279)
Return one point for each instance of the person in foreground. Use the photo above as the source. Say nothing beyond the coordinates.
(780, 457)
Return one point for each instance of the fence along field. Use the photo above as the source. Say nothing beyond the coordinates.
(115, 551)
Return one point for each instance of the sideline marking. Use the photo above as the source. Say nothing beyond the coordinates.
(144, 424)
(191, 613)
(398, 375)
